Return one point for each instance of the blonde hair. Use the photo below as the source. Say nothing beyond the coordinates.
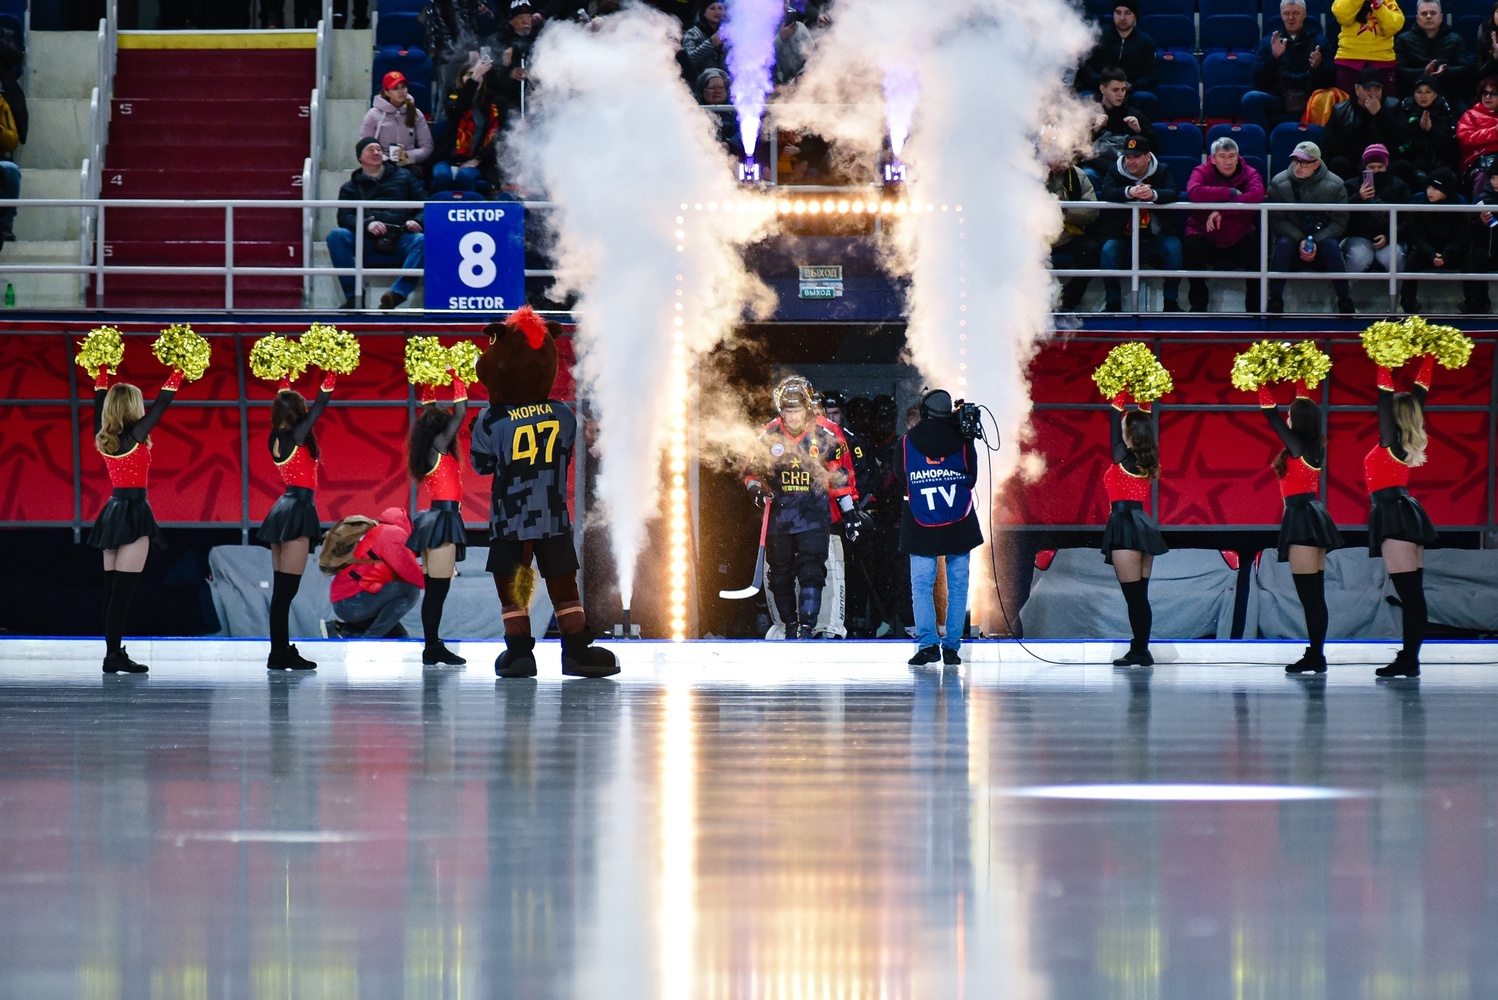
(1411, 422)
(123, 406)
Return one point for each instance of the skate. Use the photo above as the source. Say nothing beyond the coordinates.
(1312, 662)
(1135, 658)
(925, 655)
(582, 659)
(805, 632)
(518, 659)
(120, 663)
(1404, 665)
(288, 659)
(437, 654)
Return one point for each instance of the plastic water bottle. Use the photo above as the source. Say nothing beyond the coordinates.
(1308, 245)
(10, 295)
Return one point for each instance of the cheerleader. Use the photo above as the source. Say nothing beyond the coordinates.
(292, 525)
(1307, 531)
(125, 529)
(1398, 527)
(1132, 539)
(438, 535)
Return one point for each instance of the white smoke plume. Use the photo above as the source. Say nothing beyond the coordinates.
(618, 143)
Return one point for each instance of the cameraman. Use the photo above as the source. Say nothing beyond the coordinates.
(938, 466)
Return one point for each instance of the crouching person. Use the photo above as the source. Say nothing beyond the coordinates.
(376, 579)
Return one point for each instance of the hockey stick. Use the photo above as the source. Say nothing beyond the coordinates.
(759, 564)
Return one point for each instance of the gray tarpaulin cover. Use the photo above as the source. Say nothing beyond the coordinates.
(1461, 589)
(1077, 597)
(241, 581)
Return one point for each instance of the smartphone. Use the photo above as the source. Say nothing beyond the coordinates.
(1367, 177)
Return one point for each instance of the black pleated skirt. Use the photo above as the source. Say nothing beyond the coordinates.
(1396, 514)
(1129, 527)
(293, 516)
(1306, 522)
(126, 516)
(441, 524)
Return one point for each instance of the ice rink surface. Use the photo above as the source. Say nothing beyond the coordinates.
(746, 820)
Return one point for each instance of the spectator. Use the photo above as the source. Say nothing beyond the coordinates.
(792, 44)
(1218, 240)
(1477, 134)
(712, 87)
(1482, 255)
(1364, 119)
(380, 585)
(1307, 238)
(1123, 45)
(400, 128)
(1367, 241)
(1114, 123)
(1436, 241)
(1427, 133)
(702, 44)
(712, 91)
(513, 42)
(1290, 63)
(1487, 45)
(1139, 178)
(10, 174)
(451, 23)
(1074, 248)
(467, 159)
(1366, 40)
(1431, 49)
(391, 236)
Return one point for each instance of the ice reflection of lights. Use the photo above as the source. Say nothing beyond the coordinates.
(1184, 793)
(677, 930)
(676, 467)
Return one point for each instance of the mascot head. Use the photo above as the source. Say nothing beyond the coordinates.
(520, 364)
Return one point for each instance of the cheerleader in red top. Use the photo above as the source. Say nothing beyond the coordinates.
(1307, 531)
(292, 525)
(1132, 539)
(125, 529)
(1398, 527)
(438, 534)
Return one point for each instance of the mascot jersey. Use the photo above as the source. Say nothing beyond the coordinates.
(527, 449)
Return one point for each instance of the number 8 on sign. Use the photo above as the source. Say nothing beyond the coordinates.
(477, 268)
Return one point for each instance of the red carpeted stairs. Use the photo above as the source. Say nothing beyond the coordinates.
(206, 123)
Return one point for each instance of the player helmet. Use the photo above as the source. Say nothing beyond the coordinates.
(794, 391)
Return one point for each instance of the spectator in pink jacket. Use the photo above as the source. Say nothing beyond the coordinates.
(1218, 239)
(395, 121)
(372, 593)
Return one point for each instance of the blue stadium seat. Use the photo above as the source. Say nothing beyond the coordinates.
(1466, 28)
(1250, 138)
(401, 31)
(1230, 32)
(1179, 67)
(1226, 77)
(1170, 31)
(1098, 10)
(1467, 8)
(1180, 168)
(414, 63)
(1285, 137)
(16, 9)
(400, 6)
(1213, 8)
(1261, 164)
(1175, 103)
(1186, 8)
(1179, 139)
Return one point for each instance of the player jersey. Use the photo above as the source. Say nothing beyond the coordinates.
(803, 472)
(527, 449)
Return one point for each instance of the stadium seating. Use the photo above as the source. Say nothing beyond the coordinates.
(1178, 94)
(1284, 139)
(1217, 8)
(401, 31)
(1253, 146)
(1226, 77)
(387, 7)
(1170, 31)
(1178, 67)
(1230, 33)
(1179, 139)
(1466, 27)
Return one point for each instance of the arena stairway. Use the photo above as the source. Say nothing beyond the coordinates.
(207, 115)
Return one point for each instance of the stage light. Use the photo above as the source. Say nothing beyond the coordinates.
(813, 208)
(800, 208)
(858, 208)
(842, 207)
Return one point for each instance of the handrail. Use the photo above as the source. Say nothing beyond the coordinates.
(308, 215)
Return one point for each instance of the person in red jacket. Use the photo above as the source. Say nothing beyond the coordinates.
(1306, 529)
(382, 583)
(1477, 133)
(125, 529)
(439, 535)
(1398, 527)
(1131, 538)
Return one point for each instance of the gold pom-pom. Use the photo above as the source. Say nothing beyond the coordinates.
(102, 348)
(1451, 347)
(275, 357)
(463, 358)
(331, 349)
(426, 361)
(181, 349)
(1390, 344)
(1277, 361)
(1133, 368)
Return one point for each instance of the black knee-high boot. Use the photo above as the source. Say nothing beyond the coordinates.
(283, 591)
(1311, 588)
(432, 600)
(115, 657)
(108, 596)
(1141, 619)
(1411, 590)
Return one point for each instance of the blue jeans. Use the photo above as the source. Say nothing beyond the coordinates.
(1163, 252)
(923, 602)
(10, 187)
(1285, 256)
(411, 252)
(386, 607)
(445, 178)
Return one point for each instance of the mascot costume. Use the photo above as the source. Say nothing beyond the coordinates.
(525, 441)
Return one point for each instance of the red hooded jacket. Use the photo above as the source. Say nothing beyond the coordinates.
(380, 557)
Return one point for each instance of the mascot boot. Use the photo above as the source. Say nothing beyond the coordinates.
(580, 658)
(518, 659)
